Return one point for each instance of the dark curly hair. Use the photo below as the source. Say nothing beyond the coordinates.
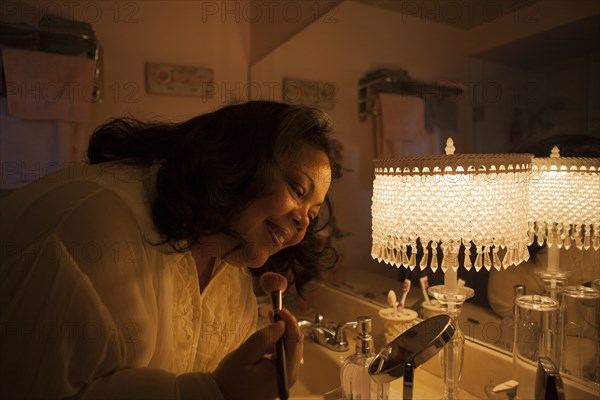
(214, 165)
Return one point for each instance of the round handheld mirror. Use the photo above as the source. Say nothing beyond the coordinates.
(411, 349)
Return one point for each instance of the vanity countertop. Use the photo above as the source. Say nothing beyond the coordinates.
(484, 367)
(426, 386)
(319, 377)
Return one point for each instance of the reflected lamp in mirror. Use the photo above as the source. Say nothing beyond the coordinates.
(451, 205)
(564, 209)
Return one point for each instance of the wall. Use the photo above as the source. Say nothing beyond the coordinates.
(539, 17)
(543, 60)
(174, 32)
(501, 89)
(131, 33)
(274, 22)
(343, 45)
(340, 47)
(560, 100)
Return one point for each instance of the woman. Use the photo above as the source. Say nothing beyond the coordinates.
(129, 277)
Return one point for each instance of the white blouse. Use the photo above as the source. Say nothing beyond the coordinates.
(91, 309)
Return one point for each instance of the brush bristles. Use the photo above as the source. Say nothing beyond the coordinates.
(273, 282)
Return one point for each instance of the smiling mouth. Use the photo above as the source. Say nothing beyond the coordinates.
(278, 234)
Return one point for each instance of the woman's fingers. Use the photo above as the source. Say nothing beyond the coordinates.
(246, 373)
(260, 343)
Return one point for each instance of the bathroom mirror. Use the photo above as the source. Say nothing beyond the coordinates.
(539, 59)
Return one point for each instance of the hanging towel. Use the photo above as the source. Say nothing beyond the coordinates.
(440, 115)
(403, 117)
(30, 149)
(447, 115)
(400, 127)
(47, 86)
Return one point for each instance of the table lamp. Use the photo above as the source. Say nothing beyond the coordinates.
(564, 210)
(468, 203)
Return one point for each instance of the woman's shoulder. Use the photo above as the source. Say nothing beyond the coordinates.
(78, 181)
(95, 206)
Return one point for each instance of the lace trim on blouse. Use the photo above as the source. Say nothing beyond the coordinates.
(186, 313)
(224, 324)
(208, 326)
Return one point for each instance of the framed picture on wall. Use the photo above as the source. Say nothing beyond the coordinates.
(309, 93)
(179, 80)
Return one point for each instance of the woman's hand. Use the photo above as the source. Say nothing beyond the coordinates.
(294, 345)
(247, 373)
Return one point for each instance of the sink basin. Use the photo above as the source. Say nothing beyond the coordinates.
(320, 375)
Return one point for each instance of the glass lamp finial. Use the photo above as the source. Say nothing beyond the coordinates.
(450, 147)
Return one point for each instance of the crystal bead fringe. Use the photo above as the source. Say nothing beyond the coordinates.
(564, 235)
(486, 256)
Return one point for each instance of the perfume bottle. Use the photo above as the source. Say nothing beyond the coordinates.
(354, 374)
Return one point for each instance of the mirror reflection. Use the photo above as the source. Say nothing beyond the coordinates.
(528, 78)
(525, 77)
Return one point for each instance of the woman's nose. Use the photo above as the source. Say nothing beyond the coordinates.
(300, 219)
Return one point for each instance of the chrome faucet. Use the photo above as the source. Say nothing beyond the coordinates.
(332, 335)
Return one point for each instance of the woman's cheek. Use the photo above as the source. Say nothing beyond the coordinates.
(297, 238)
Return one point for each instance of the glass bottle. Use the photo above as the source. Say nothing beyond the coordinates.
(354, 373)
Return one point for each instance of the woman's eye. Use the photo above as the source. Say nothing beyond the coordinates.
(298, 190)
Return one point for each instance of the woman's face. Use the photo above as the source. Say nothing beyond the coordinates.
(280, 219)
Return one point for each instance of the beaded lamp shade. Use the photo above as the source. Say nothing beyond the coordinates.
(477, 202)
(564, 201)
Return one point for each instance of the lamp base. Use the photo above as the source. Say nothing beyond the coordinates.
(554, 281)
(451, 300)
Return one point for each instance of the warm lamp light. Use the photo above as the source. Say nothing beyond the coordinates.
(564, 209)
(474, 202)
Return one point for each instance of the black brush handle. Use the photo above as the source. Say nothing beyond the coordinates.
(282, 378)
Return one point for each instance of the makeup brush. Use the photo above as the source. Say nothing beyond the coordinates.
(274, 285)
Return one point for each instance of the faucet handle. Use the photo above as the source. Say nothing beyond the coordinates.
(509, 387)
(318, 318)
(340, 336)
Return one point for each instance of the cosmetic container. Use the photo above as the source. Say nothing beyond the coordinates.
(354, 373)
